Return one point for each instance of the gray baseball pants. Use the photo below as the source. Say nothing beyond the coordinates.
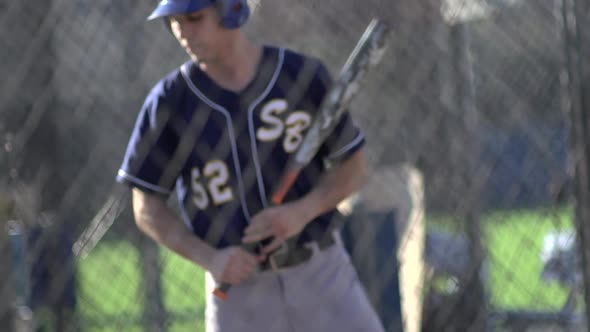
(322, 294)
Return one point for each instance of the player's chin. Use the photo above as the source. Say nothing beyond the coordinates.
(200, 57)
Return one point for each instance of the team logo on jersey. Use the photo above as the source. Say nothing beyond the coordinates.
(291, 127)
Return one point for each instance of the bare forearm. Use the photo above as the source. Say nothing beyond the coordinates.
(154, 218)
(336, 185)
(286, 220)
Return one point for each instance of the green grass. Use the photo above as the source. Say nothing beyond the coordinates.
(184, 287)
(514, 242)
(111, 297)
(110, 290)
(109, 285)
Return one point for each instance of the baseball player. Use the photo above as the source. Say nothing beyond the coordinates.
(219, 130)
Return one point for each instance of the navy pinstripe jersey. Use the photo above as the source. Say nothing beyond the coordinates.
(223, 152)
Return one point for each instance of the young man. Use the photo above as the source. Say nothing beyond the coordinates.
(220, 130)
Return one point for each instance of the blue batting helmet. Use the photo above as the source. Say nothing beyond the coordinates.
(233, 13)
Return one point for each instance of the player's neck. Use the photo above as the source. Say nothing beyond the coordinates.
(238, 67)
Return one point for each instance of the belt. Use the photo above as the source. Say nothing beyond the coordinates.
(290, 255)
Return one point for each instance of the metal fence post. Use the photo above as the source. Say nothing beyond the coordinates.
(23, 315)
(154, 311)
(578, 90)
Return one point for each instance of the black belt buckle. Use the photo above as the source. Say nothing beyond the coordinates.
(289, 254)
(279, 257)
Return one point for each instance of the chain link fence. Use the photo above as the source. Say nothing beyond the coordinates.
(467, 131)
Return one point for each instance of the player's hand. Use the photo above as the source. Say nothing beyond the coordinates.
(280, 222)
(233, 265)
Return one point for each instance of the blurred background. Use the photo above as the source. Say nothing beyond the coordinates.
(476, 134)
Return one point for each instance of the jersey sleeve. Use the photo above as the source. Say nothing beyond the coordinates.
(347, 137)
(147, 161)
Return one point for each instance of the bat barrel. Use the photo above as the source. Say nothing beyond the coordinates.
(373, 37)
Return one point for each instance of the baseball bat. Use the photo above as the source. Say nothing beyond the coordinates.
(367, 54)
(101, 222)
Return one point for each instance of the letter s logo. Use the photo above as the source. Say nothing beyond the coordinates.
(293, 127)
(270, 116)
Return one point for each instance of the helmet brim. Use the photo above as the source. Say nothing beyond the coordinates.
(169, 8)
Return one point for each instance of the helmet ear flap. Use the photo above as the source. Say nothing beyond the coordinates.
(233, 13)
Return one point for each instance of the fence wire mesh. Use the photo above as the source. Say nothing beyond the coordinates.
(467, 219)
